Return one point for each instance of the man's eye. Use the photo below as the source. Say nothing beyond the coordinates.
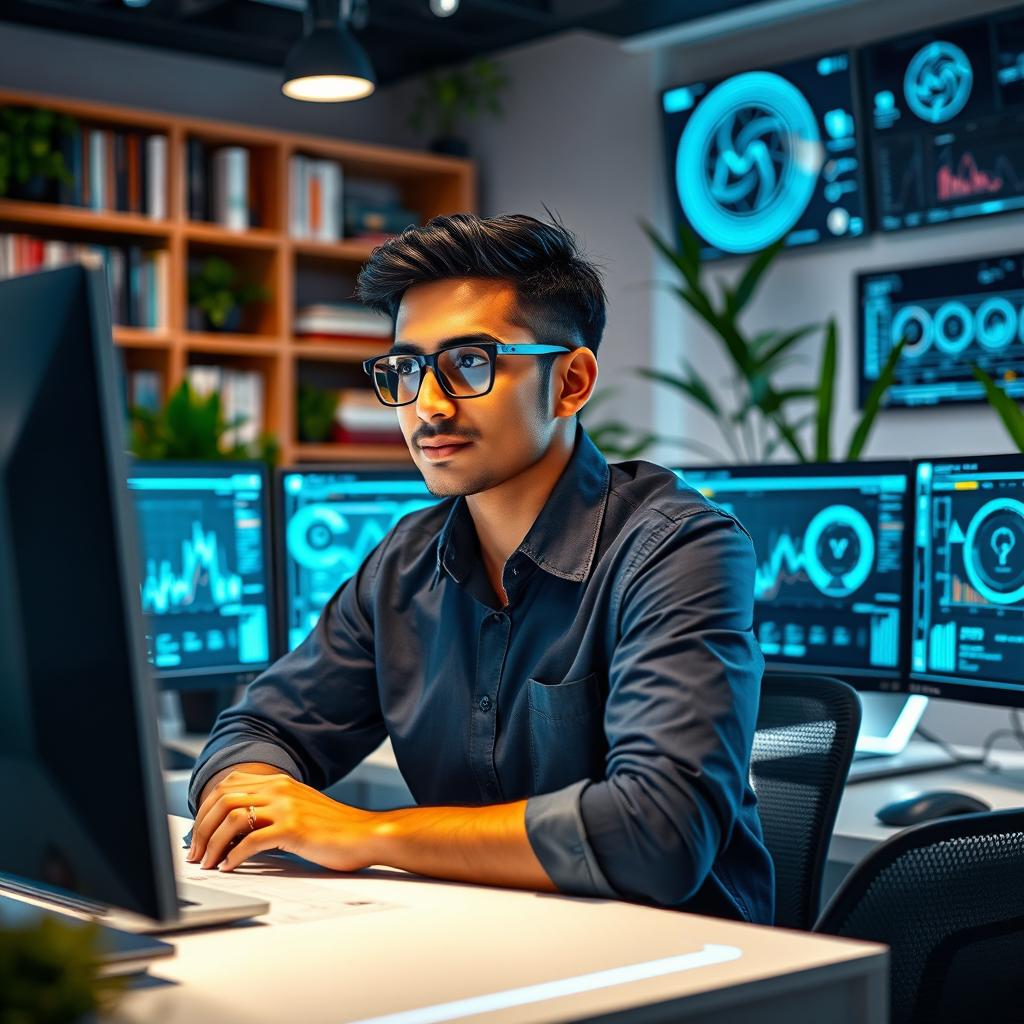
(404, 367)
(469, 360)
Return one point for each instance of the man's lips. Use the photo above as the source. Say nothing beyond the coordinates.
(438, 450)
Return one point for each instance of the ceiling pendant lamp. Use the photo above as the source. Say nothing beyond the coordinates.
(327, 65)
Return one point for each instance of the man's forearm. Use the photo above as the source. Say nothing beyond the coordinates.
(486, 845)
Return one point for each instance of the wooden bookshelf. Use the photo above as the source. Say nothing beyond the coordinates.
(288, 267)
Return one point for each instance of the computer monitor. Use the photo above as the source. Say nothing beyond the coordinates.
(206, 583)
(831, 582)
(954, 316)
(329, 520)
(84, 812)
(766, 155)
(968, 625)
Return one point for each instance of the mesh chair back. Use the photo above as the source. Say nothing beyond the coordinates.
(806, 732)
(948, 898)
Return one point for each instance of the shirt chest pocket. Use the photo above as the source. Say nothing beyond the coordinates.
(567, 741)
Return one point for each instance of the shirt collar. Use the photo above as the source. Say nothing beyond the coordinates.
(563, 538)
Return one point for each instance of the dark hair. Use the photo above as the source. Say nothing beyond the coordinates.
(560, 297)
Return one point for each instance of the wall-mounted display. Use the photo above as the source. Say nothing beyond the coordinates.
(953, 316)
(946, 113)
(766, 155)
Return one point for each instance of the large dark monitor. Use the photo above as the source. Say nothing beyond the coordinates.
(330, 519)
(767, 154)
(80, 786)
(946, 113)
(968, 627)
(953, 316)
(206, 582)
(831, 548)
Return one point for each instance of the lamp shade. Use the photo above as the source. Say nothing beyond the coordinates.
(328, 65)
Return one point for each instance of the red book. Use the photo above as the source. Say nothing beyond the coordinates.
(134, 191)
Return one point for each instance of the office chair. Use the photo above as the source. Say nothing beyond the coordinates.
(947, 897)
(806, 732)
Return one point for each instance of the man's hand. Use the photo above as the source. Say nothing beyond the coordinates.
(289, 816)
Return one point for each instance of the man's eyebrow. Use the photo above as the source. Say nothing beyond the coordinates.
(462, 339)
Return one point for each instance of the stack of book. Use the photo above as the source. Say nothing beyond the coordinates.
(335, 321)
(315, 199)
(241, 395)
(137, 277)
(121, 171)
(374, 210)
(218, 186)
(361, 419)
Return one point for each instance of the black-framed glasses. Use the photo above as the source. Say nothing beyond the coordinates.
(463, 371)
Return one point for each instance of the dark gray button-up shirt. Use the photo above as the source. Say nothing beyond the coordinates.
(617, 691)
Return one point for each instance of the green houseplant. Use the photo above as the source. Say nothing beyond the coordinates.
(218, 293)
(755, 414)
(48, 975)
(30, 156)
(448, 98)
(316, 408)
(191, 426)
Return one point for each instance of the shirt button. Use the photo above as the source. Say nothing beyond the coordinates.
(515, 571)
(485, 703)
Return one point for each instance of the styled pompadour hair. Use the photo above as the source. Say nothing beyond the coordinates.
(560, 297)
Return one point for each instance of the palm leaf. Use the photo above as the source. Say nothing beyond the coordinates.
(1009, 411)
(826, 394)
(874, 402)
(737, 299)
(691, 385)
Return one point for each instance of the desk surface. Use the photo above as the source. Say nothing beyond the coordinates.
(417, 951)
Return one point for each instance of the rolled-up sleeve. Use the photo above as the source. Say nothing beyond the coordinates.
(315, 713)
(683, 687)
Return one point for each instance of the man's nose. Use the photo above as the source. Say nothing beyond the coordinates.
(432, 402)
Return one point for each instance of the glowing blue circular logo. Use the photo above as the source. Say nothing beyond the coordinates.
(313, 537)
(839, 550)
(995, 323)
(994, 551)
(748, 162)
(914, 324)
(938, 82)
(954, 327)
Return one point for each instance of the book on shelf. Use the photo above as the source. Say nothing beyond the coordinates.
(145, 389)
(332, 321)
(315, 190)
(137, 278)
(241, 395)
(361, 419)
(229, 194)
(373, 210)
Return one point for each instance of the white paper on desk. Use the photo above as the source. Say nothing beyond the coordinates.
(293, 897)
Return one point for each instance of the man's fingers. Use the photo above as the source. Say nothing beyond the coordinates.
(260, 841)
(235, 824)
(237, 781)
(208, 823)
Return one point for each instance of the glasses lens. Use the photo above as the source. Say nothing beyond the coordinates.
(466, 370)
(397, 379)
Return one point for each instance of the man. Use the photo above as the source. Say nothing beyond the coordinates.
(561, 652)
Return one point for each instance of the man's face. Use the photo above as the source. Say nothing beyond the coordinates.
(464, 446)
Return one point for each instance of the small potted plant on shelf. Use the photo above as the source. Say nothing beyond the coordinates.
(316, 409)
(217, 296)
(448, 98)
(31, 161)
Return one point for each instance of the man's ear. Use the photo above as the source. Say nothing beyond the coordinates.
(575, 377)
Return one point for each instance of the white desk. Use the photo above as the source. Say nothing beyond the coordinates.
(504, 955)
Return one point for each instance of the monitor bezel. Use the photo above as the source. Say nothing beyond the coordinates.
(953, 687)
(710, 253)
(231, 677)
(867, 680)
(383, 471)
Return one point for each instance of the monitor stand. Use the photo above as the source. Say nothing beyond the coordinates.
(120, 953)
(888, 721)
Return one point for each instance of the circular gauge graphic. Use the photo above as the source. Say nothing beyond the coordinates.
(954, 327)
(748, 162)
(914, 324)
(839, 550)
(995, 323)
(314, 537)
(994, 551)
(938, 82)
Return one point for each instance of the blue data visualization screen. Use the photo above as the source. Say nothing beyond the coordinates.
(969, 574)
(330, 522)
(946, 109)
(830, 548)
(766, 155)
(953, 316)
(205, 565)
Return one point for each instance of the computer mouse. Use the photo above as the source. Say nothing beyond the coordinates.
(937, 803)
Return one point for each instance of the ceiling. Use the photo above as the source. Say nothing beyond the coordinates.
(402, 37)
